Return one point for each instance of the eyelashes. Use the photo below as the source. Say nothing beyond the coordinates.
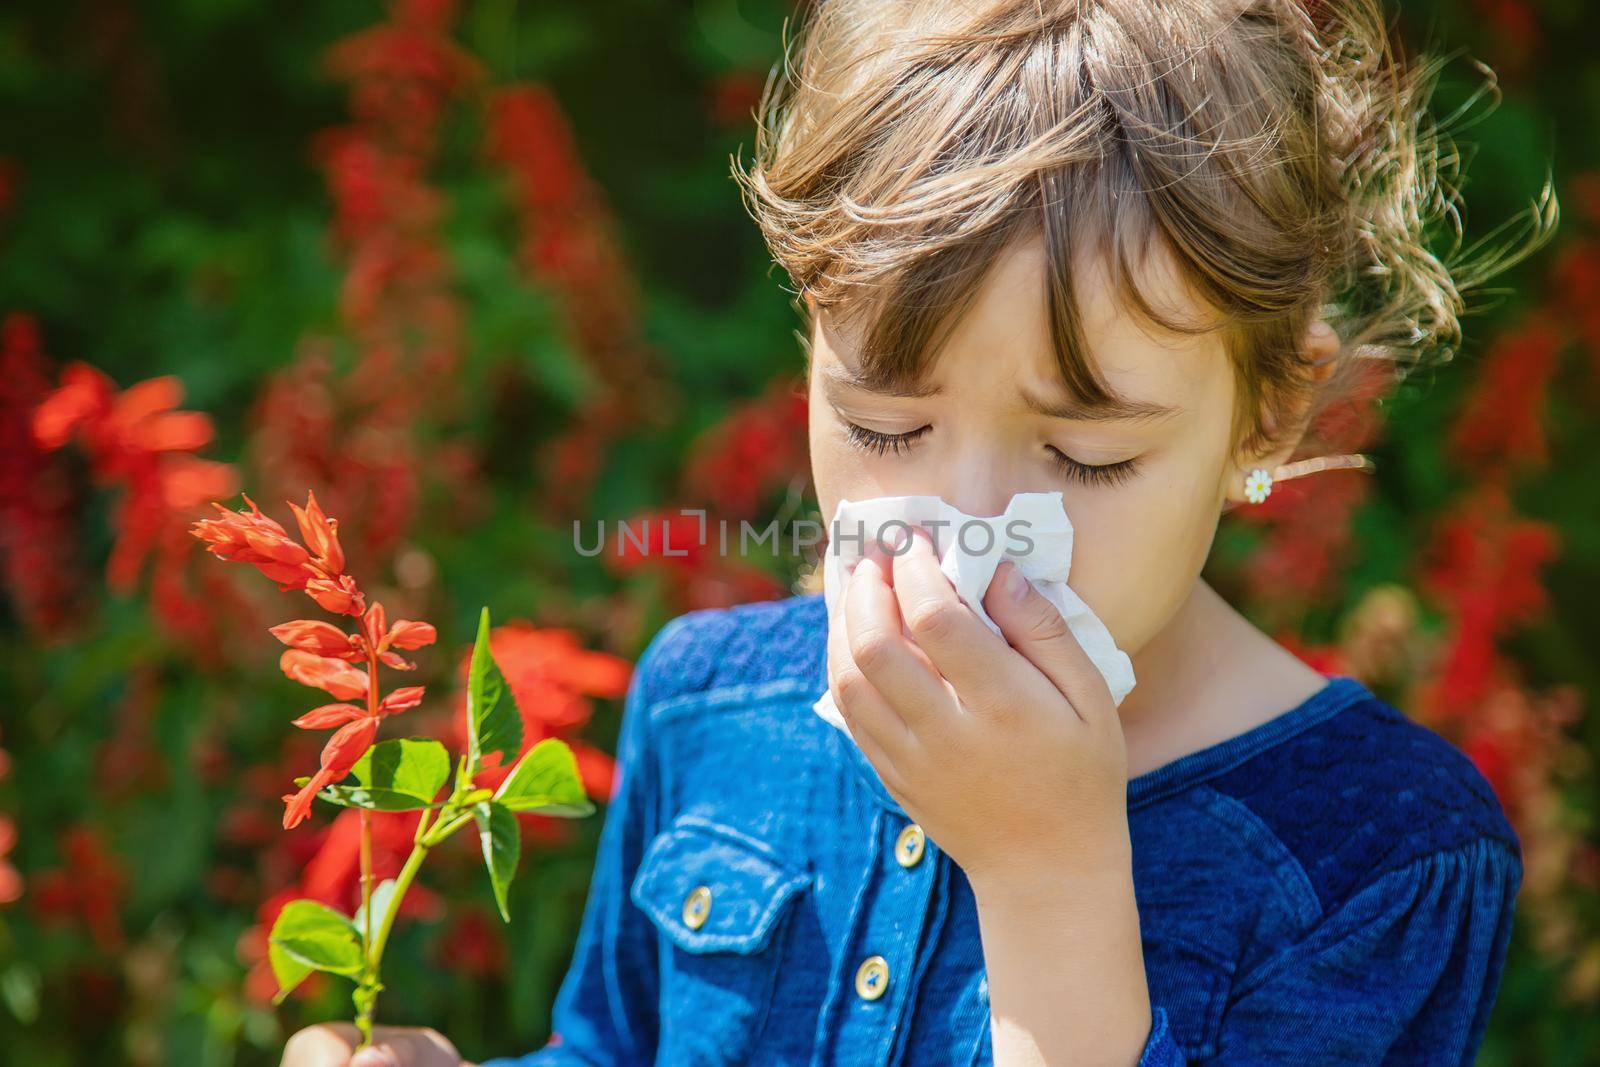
(881, 443)
(1100, 475)
(1104, 474)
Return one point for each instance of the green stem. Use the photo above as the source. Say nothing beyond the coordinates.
(367, 991)
(425, 840)
(451, 819)
(419, 852)
(445, 829)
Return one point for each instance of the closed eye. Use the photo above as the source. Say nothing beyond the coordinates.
(881, 443)
(1092, 474)
(1103, 474)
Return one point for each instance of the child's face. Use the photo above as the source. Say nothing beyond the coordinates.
(1143, 527)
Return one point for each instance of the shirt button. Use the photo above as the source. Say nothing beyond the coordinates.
(908, 846)
(872, 978)
(696, 906)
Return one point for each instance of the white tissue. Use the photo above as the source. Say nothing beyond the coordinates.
(969, 556)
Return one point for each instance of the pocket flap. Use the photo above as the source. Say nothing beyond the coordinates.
(742, 888)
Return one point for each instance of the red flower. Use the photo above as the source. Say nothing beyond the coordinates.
(321, 672)
(137, 440)
(317, 567)
(378, 636)
(759, 447)
(328, 716)
(86, 888)
(472, 944)
(319, 638)
(1503, 423)
(407, 696)
(84, 393)
(348, 744)
(10, 880)
(318, 657)
(37, 532)
(408, 635)
(321, 535)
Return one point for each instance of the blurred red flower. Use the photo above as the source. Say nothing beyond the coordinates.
(86, 888)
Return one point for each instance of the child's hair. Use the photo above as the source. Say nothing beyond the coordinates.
(1280, 151)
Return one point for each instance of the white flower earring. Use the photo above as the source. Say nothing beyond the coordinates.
(1258, 483)
(1257, 486)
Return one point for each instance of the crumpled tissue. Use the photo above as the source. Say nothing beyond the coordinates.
(1033, 532)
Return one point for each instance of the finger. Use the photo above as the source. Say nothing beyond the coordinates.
(965, 651)
(880, 648)
(404, 1046)
(382, 1055)
(321, 1045)
(866, 718)
(1034, 627)
(876, 727)
(430, 1048)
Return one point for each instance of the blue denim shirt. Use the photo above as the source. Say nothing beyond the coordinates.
(1335, 885)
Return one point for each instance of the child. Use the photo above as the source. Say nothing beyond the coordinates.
(1125, 249)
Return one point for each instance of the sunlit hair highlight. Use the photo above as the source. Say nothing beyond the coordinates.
(1283, 156)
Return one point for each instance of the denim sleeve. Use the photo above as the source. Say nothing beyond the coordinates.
(1405, 971)
(605, 1011)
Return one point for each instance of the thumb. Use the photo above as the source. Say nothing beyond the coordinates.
(376, 1056)
(1034, 627)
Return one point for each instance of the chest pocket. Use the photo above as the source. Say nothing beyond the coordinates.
(1192, 984)
(718, 897)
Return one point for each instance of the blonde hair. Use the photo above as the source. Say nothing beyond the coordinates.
(1286, 160)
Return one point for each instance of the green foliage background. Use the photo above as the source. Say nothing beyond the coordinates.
(168, 219)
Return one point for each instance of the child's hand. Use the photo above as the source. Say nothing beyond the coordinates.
(330, 1045)
(1024, 781)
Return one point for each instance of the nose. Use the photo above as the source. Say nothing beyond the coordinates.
(980, 482)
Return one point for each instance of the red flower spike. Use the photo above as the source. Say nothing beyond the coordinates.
(321, 672)
(318, 638)
(329, 715)
(251, 537)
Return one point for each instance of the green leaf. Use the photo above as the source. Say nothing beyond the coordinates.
(493, 723)
(546, 780)
(289, 971)
(502, 848)
(404, 774)
(310, 936)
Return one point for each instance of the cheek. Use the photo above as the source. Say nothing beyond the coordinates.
(839, 469)
(825, 466)
(1137, 553)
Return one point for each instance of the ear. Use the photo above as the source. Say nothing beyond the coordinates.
(1320, 345)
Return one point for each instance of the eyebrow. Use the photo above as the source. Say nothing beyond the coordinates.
(1117, 409)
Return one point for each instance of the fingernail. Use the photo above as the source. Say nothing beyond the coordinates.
(1016, 584)
(896, 539)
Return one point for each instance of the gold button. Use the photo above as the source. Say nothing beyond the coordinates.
(696, 906)
(872, 978)
(908, 846)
